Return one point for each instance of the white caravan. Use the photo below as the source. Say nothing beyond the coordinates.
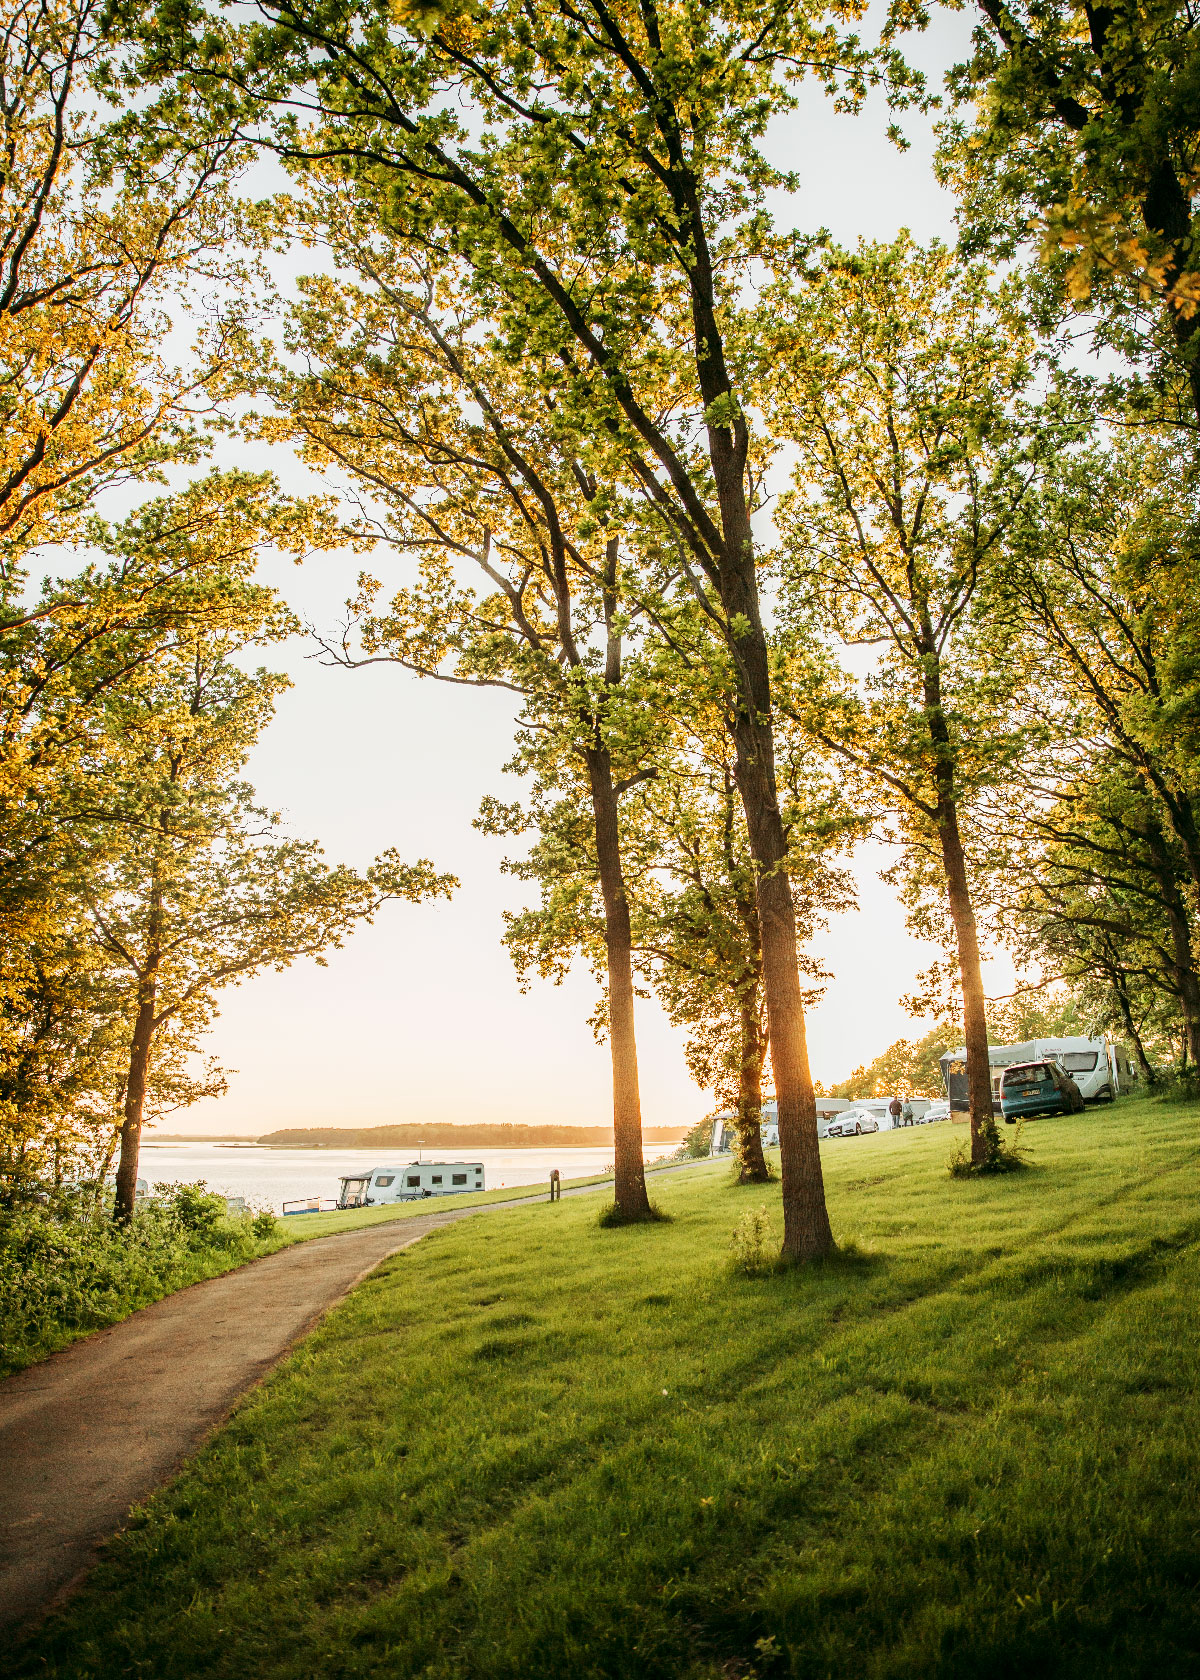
(1099, 1067)
(409, 1183)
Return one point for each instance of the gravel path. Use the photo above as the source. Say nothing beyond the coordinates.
(91, 1431)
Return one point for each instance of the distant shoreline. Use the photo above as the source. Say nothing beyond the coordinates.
(438, 1136)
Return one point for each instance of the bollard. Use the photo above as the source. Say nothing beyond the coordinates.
(555, 1185)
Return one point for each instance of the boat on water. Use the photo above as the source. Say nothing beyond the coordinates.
(411, 1183)
(311, 1204)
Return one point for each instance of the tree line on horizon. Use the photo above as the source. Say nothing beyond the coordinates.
(771, 543)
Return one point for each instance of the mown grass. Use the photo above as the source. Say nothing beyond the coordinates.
(532, 1449)
(103, 1275)
(301, 1226)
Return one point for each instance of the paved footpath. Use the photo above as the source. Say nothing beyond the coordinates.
(91, 1431)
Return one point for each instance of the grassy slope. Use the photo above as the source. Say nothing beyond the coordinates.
(532, 1449)
(18, 1350)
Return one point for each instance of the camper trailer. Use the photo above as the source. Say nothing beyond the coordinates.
(409, 1183)
(1100, 1068)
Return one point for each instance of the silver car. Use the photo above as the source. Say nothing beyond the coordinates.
(853, 1122)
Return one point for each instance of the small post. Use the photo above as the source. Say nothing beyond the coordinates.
(555, 1185)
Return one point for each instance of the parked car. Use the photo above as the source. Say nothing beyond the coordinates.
(853, 1122)
(939, 1110)
(1029, 1088)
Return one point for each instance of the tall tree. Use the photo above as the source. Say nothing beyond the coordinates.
(193, 887)
(607, 189)
(471, 468)
(908, 384)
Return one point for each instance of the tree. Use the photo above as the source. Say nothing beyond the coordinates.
(471, 468)
(607, 192)
(1102, 570)
(177, 565)
(103, 222)
(194, 888)
(1086, 120)
(696, 923)
(907, 1068)
(1093, 887)
(907, 383)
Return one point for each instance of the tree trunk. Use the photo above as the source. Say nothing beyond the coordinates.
(962, 911)
(1183, 960)
(975, 1035)
(139, 1060)
(752, 1166)
(135, 1101)
(1121, 993)
(806, 1232)
(630, 1173)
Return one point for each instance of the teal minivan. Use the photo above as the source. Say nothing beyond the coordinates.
(1029, 1088)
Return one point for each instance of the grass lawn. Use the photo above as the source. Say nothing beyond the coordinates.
(530, 1449)
(301, 1226)
(98, 1303)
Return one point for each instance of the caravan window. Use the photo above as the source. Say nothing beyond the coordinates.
(414, 1181)
(437, 1178)
(458, 1178)
(1080, 1061)
(383, 1183)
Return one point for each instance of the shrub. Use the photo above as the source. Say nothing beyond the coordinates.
(753, 1244)
(1001, 1154)
(197, 1209)
(264, 1224)
(67, 1268)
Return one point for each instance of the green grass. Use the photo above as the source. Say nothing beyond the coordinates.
(40, 1316)
(301, 1226)
(532, 1449)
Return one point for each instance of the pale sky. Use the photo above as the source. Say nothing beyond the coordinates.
(420, 1016)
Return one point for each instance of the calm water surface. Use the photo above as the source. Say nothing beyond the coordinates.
(273, 1176)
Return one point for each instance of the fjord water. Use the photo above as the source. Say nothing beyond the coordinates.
(269, 1177)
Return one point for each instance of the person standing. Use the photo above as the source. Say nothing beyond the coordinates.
(906, 1113)
(894, 1109)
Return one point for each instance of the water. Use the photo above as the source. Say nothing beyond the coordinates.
(269, 1177)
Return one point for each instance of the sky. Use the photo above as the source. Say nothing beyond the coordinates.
(420, 1016)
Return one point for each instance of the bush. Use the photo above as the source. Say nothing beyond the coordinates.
(1001, 1155)
(196, 1208)
(264, 1224)
(753, 1245)
(698, 1141)
(66, 1268)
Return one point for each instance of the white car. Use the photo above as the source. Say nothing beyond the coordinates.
(939, 1110)
(853, 1122)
